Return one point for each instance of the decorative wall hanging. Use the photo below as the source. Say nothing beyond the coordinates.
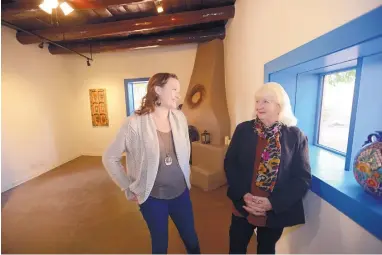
(98, 106)
(368, 165)
(196, 96)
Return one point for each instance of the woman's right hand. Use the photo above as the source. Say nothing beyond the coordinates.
(135, 199)
(248, 198)
(252, 207)
(131, 196)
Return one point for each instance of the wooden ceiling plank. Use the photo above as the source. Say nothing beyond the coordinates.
(148, 41)
(103, 13)
(133, 8)
(138, 26)
(29, 8)
(194, 4)
(121, 9)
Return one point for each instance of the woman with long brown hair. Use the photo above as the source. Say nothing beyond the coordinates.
(156, 142)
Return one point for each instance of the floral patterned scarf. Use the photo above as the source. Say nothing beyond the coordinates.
(270, 158)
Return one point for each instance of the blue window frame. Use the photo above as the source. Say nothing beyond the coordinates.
(301, 72)
(135, 89)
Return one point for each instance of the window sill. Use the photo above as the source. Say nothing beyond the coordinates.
(339, 188)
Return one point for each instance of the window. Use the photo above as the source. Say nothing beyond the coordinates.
(135, 90)
(139, 91)
(301, 71)
(336, 108)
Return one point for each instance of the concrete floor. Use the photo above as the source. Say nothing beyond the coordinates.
(76, 208)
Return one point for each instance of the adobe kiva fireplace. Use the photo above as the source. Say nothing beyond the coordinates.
(205, 107)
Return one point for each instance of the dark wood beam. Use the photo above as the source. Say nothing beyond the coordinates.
(29, 8)
(127, 27)
(20, 10)
(32, 5)
(20, 6)
(145, 41)
(95, 4)
(23, 9)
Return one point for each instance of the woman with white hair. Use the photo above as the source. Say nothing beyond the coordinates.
(268, 173)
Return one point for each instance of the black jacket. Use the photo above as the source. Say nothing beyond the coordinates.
(293, 179)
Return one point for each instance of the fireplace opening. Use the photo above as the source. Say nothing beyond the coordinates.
(194, 137)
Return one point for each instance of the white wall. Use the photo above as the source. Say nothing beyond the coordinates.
(109, 71)
(45, 101)
(37, 111)
(327, 230)
(263, 30)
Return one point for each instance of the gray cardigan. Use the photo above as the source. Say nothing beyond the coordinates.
(138, 138)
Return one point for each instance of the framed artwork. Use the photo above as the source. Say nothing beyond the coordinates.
(98, 107)
(102, 108)
(93, 96)
(103, 120)
(101, 95)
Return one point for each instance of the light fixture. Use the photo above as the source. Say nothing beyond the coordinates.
(159, 9)
(52, 3)
(41, 45)
(49, 5)
(45, 8)
(158, 4)
(66, 8)
(88, 62)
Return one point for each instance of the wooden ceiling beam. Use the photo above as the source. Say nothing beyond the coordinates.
(32, 5)
(23, 9)
(144, 42)
(96, 4)
(127, 27)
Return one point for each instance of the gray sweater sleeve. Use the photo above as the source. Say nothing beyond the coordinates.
(111, 159)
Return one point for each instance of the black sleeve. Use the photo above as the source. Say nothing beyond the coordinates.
(231, 164)
(284, 196)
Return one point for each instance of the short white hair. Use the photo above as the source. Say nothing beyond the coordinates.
(286, 115)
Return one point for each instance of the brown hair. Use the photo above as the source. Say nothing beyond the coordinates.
(150, 100)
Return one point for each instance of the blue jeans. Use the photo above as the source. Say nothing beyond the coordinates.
(156, 211)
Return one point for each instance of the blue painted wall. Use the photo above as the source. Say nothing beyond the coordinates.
(369, 108)
(307, 99)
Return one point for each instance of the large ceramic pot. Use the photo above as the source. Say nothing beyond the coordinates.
(368, 165)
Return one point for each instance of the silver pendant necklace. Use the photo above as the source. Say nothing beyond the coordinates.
(168, 158)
